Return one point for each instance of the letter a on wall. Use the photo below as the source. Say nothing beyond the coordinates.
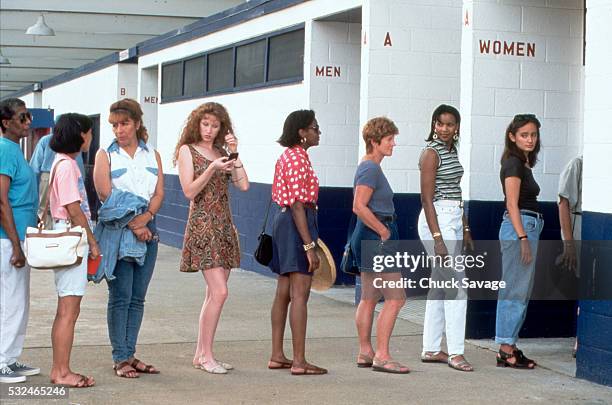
(388, 40)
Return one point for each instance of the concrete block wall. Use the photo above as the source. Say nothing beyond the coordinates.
(333, 71)
(410, 56)
(93, 94)
(520, 57)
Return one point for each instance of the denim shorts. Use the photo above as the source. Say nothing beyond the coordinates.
(71, 280)
(288, 255)
(363, 232)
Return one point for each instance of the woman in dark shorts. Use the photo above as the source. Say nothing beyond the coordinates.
(373, 205)
(295, 189)
(519, 234)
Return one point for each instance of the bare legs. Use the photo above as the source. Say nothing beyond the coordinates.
(364, 316)
(295, 290)
(62, 337)
(216, 294)
(280, 308)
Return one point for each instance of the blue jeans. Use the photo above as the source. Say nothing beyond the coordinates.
(126, 297)
(512, 300)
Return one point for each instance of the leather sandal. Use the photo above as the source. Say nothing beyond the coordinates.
(396, 367)
(520, 360)
(434, 357)
(279, 365)
(121, 371)
(308, 369)
(461, 365)
(364, 360)
(147, 369)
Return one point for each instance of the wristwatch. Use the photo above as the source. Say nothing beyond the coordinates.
(309, 246)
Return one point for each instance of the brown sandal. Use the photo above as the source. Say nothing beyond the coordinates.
(147, 369)
(520, 360)
(279, 365)
(82, 382)
(364, 360)
(308, 369)
(396, 367)
(122, 371)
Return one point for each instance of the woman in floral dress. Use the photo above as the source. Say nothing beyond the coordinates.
(211, 240)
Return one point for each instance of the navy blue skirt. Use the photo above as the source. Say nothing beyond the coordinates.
(288, 255)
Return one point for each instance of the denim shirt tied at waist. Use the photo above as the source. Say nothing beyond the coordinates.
(116, 240)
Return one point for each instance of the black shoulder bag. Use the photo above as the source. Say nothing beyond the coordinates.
(263, 252)
(348, 264)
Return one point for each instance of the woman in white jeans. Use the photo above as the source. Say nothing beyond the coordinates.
(442, 221)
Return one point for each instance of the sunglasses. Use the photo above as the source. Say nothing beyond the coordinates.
(25, 116)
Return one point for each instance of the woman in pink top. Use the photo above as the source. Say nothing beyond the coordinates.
(68, 203)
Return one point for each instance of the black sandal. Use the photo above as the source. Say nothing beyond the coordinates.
(521, 361)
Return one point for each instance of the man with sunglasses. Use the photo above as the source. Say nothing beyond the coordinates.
(18, 204)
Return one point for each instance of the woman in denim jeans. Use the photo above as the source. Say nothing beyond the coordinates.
(129, 165)
(373, 205)
(442, 226)
(519, 234)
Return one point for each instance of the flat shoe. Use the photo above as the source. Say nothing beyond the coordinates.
(217, 369)
(226, 366)
(364, 360)
(309, 369)
(396, 367)
(462, 365)
(434, 357)
(279, 365)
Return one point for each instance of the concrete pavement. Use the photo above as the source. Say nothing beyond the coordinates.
(169, 333)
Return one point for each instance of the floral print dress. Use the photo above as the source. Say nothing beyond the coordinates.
(211, 239)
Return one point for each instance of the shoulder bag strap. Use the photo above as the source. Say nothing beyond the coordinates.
(41, 224)
(263, 229)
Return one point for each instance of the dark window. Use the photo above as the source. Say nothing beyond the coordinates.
(172, 80)
(195, 74)
(221, 70)
(250, 63)
(286, 58)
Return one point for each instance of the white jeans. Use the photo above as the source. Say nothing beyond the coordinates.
(441, 313)
(14, 305)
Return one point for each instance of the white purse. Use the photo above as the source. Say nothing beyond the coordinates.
(52, 249)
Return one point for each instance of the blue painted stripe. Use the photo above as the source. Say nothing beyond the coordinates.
(594, 357)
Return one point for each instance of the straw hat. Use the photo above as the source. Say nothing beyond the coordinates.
(324, 276)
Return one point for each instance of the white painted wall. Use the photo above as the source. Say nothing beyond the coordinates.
(597, 169)
(29, 100)
(258, 118)
(148, 98)
(407, 80)
(93, 94)
(496, 86)
(334, 96)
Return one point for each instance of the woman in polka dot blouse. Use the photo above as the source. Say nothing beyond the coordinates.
(295, 231)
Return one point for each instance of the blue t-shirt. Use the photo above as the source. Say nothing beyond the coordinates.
(23, 192)
(369, 173)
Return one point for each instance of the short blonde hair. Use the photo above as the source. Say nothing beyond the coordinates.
(376, 129)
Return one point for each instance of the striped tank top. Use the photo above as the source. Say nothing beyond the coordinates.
(450, 171)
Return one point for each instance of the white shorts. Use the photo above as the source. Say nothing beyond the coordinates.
(71, 280)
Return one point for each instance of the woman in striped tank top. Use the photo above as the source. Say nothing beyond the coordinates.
(442, 226)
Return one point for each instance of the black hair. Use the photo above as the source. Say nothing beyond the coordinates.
(67, 132)
(295, 121)
(444, 109)
(8, 108)
(510, 148)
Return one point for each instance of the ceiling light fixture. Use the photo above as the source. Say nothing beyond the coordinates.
(40, 28)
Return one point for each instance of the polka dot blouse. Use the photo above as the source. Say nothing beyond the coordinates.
(294, 178)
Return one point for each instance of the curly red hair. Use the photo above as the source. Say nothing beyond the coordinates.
(191, 130)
